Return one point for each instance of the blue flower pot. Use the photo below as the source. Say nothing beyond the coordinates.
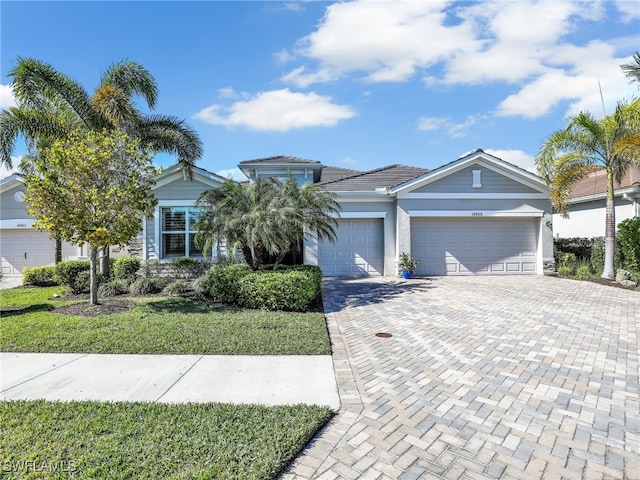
(407, 274)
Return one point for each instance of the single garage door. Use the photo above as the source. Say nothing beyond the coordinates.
(359, 249)
(474, 246)
(25, 248)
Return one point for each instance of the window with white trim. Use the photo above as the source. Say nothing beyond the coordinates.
(178, 231)
(477, 183)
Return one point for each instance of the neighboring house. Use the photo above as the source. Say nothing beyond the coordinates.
(477, 215)
(20, 244)
(588, 200)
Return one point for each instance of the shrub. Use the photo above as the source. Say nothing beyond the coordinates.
(203, 285)
(583, 272)
(565, 271)
(597, 254)
(117, 286)
(225, 282)
(566, 260)
(178, 287)
(67, 271)
(145, 286)
(579, 246)
(278, 290)
(188, 267)
(82, 282)
(126, 267)
(628, 239)
(40, 276)
(152, 268)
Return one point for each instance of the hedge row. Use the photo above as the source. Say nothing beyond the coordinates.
(293, 288)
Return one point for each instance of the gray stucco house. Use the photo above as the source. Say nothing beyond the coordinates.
(477, 215)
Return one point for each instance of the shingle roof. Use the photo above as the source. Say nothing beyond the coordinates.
(388, 176)
(280, 160)
(596, 183)
(330, 174)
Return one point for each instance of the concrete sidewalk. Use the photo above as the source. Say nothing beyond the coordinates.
(266, 380)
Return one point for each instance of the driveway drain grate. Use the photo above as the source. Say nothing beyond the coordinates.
(383, 335)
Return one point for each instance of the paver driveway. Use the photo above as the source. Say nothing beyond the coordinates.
(484, 377)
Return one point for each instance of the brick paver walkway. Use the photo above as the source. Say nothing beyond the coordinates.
(483, 378)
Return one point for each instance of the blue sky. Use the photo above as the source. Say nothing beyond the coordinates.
(357, 84)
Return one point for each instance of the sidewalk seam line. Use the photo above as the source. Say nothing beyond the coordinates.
(43, 373)
(178, 379)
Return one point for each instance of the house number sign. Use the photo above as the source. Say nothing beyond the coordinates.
(476, 214)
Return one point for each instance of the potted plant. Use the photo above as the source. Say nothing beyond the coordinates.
(407, 265)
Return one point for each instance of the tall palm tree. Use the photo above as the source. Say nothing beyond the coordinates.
(585, 145)
(51, 105)
(632, 69)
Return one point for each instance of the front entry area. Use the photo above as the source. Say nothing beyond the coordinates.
(474, 246)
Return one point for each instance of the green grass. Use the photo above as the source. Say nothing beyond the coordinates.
(41, 439)
(157, 325)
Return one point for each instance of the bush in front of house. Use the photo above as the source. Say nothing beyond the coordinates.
(126, 268)
(628, 240)
(82, 282)
(145, 286)
(224, 282)
(116, 286)
(188, 267)
(278, 290)
(178, 287)
(40, 276)
(67, 271)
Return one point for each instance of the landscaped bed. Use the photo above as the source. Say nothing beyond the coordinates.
(41, 439)
(156, 324)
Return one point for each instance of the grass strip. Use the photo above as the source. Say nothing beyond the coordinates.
(40, 439)
(168, 325)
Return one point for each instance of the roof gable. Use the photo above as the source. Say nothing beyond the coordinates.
(279, 160)
(501, 178)
(177, 173)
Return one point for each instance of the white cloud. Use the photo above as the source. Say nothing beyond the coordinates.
(233, 173)
(629, 9)
(386, 40)
(455, 130)
(523, 43)
(516, 157)
(227, 92)
(5, 172)
(7, 99)
(577, 84)
(278, 110)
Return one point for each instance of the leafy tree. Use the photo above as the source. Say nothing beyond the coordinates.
(52, 105)
(585, 145)
(92, 187)
(264, 216)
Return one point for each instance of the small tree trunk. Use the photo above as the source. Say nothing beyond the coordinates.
(58, 250)
(610, 231)
(104, 261)
(93, 289)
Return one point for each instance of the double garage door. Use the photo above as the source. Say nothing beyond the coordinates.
(474, 246)
(359, 249)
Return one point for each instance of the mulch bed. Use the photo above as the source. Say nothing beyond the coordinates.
(105, 307)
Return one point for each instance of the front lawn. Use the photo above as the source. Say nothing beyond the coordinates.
(41, 439)
(168, 325)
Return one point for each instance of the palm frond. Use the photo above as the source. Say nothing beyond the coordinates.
(132, 79)
(168, 134)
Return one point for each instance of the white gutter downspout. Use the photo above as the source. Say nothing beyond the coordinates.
(636, 212)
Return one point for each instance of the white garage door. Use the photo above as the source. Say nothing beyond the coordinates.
(359, 249)
(474, 246)
(25, 248)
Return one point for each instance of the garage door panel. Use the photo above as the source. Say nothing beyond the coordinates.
(474, 246)
(359, 249)
(25, 248)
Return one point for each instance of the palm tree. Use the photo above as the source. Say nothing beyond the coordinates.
(305, 211)
(632, 69)
(585, 145)
(265, 216)
(51, 105)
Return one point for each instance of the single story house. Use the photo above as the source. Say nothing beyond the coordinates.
(588, 200)
(477, 215)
